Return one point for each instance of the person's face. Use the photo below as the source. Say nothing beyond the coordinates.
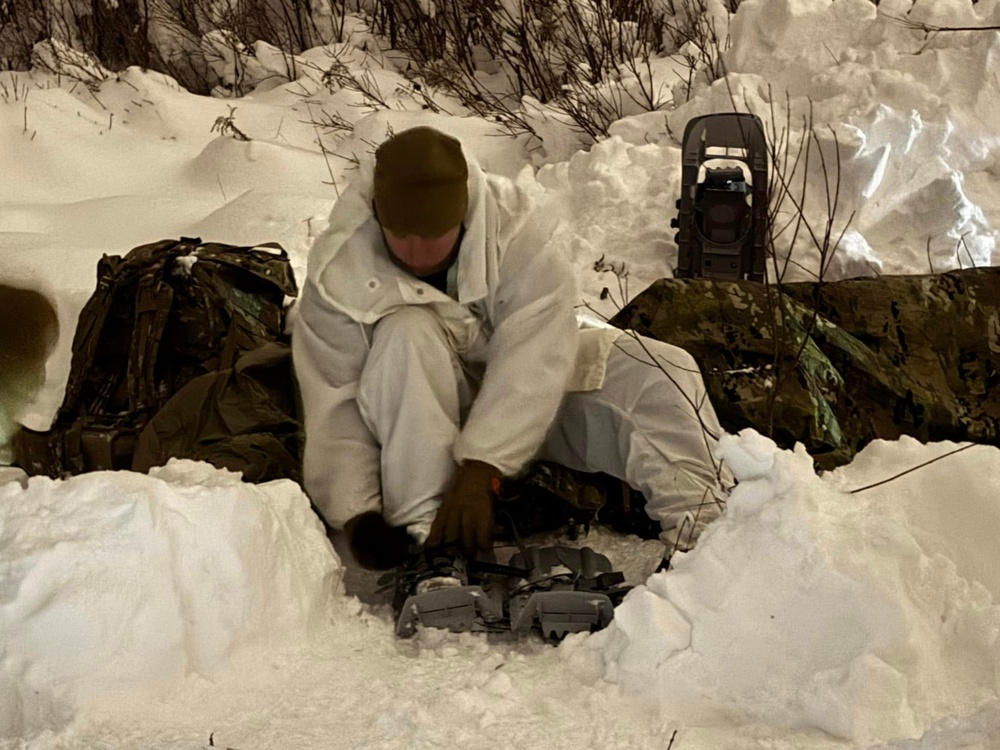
(422, 256)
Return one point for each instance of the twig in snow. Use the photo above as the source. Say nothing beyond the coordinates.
(930, 28)
(912, 469)
(603, 266)
(827, 48)
(224, 124)
(322, 146)
(211, 741)
(962, 243)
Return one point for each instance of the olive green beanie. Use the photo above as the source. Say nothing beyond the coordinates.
(420, 183)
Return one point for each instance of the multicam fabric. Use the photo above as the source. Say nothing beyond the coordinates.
(180, 351)
(837, 365)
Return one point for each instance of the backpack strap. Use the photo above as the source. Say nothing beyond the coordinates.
(154, 298)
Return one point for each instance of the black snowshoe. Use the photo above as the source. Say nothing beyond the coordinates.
(552, 590)
(723, 219)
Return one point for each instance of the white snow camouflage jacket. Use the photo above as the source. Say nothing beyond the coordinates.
(514, 312)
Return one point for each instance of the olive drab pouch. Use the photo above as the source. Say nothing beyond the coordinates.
(180, 352)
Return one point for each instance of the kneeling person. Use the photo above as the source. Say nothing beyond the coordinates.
(438, 350)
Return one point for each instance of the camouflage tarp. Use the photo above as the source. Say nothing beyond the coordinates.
(836, 365)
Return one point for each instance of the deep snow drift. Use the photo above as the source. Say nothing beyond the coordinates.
(807, 614)
(113, 581)
(865, 615)
(151, 611)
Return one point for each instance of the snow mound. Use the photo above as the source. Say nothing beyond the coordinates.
(811, 608)
(114, 581)
(616, 196)
(233, 167)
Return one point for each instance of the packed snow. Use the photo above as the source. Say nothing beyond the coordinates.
(867, 615)
(159, 611)
(115, 581)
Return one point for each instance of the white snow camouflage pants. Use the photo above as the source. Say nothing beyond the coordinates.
(653, 428)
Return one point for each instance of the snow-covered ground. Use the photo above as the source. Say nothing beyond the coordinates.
(154, 611)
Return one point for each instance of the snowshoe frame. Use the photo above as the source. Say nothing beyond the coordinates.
(720, 236)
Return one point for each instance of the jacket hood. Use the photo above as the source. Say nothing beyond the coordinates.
(349, 264)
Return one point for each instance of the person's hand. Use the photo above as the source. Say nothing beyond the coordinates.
(465, 517)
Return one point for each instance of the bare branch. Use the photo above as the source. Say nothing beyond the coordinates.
(912, 469)
(929, 28)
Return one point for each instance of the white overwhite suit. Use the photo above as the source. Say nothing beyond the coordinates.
(401, 381)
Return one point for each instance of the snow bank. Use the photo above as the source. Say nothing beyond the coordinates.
(620, 199)
(807, 607)
(914, 114)
(115, 581)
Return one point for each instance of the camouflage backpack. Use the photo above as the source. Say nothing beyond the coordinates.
(180, 352)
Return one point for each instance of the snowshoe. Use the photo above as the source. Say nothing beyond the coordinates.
(565, 590)
(434, 589)
(555, 590)
(722, 221)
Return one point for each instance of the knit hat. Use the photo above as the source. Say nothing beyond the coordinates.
(420, 183)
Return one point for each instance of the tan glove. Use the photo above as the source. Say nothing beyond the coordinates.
(465, 517)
